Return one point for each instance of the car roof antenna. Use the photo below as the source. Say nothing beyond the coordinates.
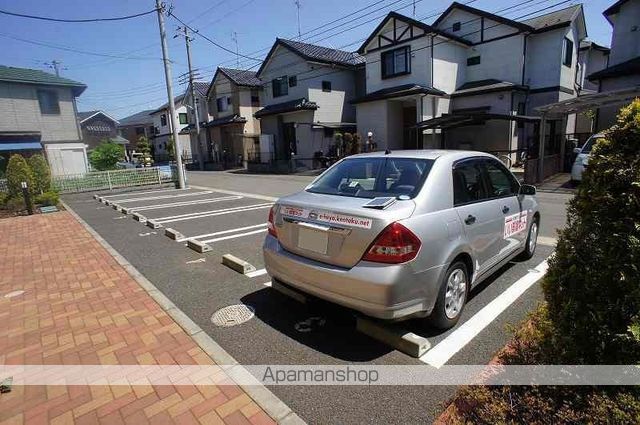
(387, 151)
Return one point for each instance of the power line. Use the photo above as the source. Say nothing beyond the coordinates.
(44, 18)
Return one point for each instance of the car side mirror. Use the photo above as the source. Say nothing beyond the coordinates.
(577, 150)
(527, 189)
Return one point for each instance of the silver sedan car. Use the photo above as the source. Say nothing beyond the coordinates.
(402, 234)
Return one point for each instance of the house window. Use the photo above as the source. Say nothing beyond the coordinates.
(474, 60)
(156, 130)
(293, 81)
(139, 131)
(326, 86)
(280, 86)
(396, 62)
(456, 26)
(229, 101)
(183, 118)
(567, 52)
(255, 100)
(221, 104)
(163, 120)
(48, 100)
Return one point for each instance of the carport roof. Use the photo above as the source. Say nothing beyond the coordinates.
(470, 118)
(590, 101)
(398, 91)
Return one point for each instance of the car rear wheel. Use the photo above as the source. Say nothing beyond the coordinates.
(452, 297)
(532, 241)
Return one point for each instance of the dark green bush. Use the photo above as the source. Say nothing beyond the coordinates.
(593, 284)
(47, 199)
(106, 156)
(18, 171)
(14, 204)
(3, 198)
(41, 173)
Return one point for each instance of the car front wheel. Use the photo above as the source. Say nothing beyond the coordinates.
(452, 297)
(532, 241)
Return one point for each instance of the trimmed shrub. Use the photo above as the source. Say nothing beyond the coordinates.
(593, 284)
(15, 204)
(106, 156)
(47, 199)
(41, 173)
(3, 199)
(18, 171)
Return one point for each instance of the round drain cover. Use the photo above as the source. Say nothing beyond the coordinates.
(13, 294)
(232, 315)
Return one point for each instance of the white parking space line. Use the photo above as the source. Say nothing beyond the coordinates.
(213, 213)
(185, 203)
(267, 283)
(237, 235)
(233, 192)
(222, 232)
(456, 340)
(256, 273)
(242, 207)
(141, 193)
(153, 198)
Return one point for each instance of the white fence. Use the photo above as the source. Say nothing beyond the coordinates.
(3, 185)
(114, 179)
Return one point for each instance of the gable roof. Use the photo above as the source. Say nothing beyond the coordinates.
(242, 77)
(201, 87)
(176, 99)
(141, 117)
(35, 76)
(426, 28)
(315, 53)
(556, 19)
(480, 12)
(84, 116)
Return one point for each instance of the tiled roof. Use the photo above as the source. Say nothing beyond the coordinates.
(398, 91)
(141, 117)
(630, 67)
(485, 86)
(242, 77)
(301, 104)
(202, 87)
(323, 54)
(35, 76)
(231, 119)
(552, 19)
(176, 100)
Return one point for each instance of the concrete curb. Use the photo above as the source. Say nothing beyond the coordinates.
(263, 397)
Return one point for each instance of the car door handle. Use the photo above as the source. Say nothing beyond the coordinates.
(505, 209)
(470, 219)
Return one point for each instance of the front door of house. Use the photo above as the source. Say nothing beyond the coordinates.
(289, 135)
(409, 140)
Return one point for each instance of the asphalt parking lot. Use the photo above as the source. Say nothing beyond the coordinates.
(284, 331)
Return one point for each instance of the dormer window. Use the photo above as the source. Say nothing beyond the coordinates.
(456, 26)
(396, 62)
(567, 52)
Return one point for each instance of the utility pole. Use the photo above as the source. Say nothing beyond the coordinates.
(234, 37)
(172, 105)
(297, 3)
(194, 103)
(55, 65)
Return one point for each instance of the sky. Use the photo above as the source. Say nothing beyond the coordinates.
(121, 64)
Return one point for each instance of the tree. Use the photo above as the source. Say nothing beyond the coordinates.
(18, 171)
(144, 147)
(106, 156)
(41, 173)
(593, 284)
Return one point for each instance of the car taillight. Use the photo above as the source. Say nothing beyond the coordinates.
(271, 225)
(396, 244)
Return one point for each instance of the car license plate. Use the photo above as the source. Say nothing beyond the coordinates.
(313, 239)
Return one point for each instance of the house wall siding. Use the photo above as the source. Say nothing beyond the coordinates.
(20, 111)
(625, 43)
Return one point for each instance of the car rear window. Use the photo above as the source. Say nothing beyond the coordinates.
(375, 176)
(589, 145)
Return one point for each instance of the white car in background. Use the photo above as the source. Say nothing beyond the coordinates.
(582, 160)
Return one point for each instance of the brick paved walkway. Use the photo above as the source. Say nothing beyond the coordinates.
(80, 307)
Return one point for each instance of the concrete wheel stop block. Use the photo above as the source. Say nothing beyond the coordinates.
(139, 217)
(115, 206)
(173, 234)
(390, 334)
(95, 196)
(198, 246)
(124, 210)
(237, 264)
(153, 224)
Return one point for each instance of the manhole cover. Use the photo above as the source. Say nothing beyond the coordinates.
(13, 294)
(232, 315)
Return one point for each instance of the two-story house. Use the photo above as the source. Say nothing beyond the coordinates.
(164, 132)
(591, 58)
(307, 94)
(135, 126)
(470, 80)
(233, 131)
(198, 145)
(38, 112)
(97, 127)
(623, 68)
